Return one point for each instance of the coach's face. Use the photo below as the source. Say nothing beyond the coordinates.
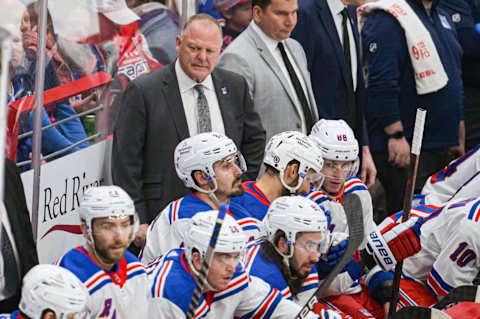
(278, 19)
(199, 49)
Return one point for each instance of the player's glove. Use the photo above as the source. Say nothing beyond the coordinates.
(338, 245)
(395, 242)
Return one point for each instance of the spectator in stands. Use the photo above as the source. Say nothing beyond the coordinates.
(465, 15)
(275, 68)
(397, 87)
(23, 84)
(17, 249)
(341, 94)
(237, 15)
(159, 25)
(161, 109)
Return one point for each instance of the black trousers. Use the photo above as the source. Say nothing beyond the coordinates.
(394, 179)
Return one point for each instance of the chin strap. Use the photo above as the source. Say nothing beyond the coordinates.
(286, 260)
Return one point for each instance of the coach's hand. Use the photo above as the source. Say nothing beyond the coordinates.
(398, 152)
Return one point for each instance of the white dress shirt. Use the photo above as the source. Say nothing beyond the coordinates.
(336, 7)
(189, 99)
(272, 46)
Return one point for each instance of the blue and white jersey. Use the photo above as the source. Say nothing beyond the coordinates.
(113, 294)
(450, 247)
(167, 230)
(171, 287)
(14, 315)
(337, 223)
(257, 264)
(253, 200)
(337, 220)
(459, 180)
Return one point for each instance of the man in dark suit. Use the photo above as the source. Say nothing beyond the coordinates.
(182, 99)
(338, 87)
(17, 230)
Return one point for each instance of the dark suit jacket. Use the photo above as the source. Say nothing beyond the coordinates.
(19, 218)
(318, 35)
(152, 122)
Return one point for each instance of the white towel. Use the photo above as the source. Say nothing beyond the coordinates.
(430, 75)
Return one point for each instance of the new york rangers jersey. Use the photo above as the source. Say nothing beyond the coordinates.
(450, 246)
(459, 180)
(257, 264)
(167, 230)
(337, 223)
(337, 220)
(171, 287)
(112, 294)
(253, 200)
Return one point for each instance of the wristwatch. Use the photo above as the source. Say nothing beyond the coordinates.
(396, 135)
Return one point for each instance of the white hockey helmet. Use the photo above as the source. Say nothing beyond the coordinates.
(293, 215)
(199, 153)
(335, 139)
(107, 201)
(231, 239)
(288, 146)
(53, 287)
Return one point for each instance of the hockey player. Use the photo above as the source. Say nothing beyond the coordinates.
(449, 252)
(292, 166)
(340, 153)
(460, 179)
(297, 237)
(211, 166)
(115, 279)
(51, 292)
(229, 291)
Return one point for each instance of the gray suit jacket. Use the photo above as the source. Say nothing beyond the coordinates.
(273, 98)
(151, 123)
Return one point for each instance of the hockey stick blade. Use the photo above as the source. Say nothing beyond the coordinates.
(459, 294)
(420, 313)
(202, 275)
(352, 206)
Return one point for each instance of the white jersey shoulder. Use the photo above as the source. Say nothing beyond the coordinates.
(112, 294)
(460, 179)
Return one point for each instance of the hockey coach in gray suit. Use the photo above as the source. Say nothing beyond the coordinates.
(275, 68)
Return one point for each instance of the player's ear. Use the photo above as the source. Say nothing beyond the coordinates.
(291, 173)
(83, 228)
(200, 178)
(197, 260)
(282, 245)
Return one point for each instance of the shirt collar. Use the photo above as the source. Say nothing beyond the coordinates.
(185, 83)
(269, 42)
(336, 6)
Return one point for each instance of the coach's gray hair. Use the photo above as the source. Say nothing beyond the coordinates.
(201, 17)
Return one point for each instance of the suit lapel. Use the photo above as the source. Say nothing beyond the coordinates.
(272, 63)
(174, 102)
(224, 102)
(329, 25)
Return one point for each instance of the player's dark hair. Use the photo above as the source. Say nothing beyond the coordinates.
(270, 254)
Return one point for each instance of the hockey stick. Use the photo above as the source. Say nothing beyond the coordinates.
(408, 196)
(420, 313)
(352, 206)
(202, 275)
(459, 294)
